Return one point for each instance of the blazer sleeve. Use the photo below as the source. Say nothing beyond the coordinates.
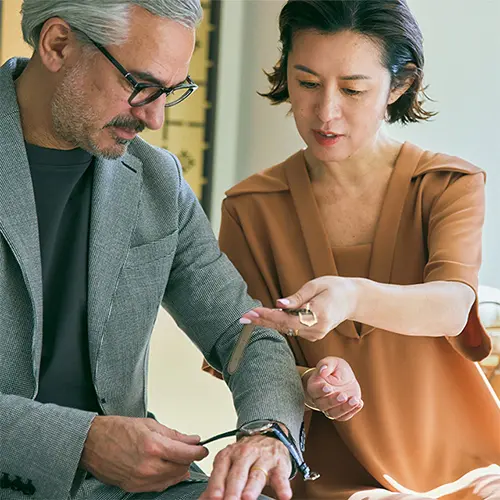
(207, 296)
(454, 245)
(233, 243)
(42, 444)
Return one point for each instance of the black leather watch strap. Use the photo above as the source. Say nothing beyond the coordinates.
(277, 432)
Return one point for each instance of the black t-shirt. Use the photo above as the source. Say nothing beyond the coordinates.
(62, 182)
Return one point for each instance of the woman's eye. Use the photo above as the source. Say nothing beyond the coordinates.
(352, 92)
(308, 85)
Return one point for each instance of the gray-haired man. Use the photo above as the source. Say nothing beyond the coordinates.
(97, 229)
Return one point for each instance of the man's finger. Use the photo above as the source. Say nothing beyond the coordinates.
(216, 487)
(258, 477)
(280, 483)
(240, 470)
(172, 433)
(179, 452)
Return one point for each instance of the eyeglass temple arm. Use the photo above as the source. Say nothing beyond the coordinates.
(218, 436)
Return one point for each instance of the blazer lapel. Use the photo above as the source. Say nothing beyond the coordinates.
(115, 203)
(316, 240)
(18, 216)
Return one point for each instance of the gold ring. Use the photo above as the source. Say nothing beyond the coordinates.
(292, 333)
(262, 470)
(307, 312)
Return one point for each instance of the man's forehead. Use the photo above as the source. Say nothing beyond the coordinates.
(161, 54)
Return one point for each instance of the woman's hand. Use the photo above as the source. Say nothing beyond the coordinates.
(333, 389)
(332, 299)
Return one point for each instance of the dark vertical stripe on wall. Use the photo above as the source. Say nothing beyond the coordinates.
(208, 155)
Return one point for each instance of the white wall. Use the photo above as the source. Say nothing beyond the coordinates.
(256, 135)
(462, 47)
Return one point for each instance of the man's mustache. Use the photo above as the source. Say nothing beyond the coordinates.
(127, 123)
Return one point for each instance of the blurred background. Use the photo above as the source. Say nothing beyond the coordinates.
(226, 132)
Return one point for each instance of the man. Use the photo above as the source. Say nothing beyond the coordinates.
(97, 229)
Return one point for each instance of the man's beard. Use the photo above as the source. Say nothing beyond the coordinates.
(74, 120)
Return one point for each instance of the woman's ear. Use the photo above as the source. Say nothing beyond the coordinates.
(403, 85)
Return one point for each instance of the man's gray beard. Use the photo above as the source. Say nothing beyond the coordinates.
(107, 155)
(79, 139)
(67, 109)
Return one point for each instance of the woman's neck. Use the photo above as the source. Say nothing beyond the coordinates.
(360, 169)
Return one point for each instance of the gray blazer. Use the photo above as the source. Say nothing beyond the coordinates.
(150, 245)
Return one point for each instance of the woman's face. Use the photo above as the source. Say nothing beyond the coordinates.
(339, 92)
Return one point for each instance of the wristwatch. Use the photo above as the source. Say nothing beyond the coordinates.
(271, 428)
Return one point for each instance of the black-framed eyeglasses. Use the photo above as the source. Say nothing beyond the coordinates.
(145, 93)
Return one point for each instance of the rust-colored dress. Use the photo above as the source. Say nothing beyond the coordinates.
(429, 415)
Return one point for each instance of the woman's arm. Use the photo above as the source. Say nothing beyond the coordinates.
(433, 309)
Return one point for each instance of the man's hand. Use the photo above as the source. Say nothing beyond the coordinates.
(243, 469)
(138, 454)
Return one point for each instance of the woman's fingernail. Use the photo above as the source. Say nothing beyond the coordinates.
(285, 302)
(327, 389)
(341, 398)
(323, 368)
(245, 321)
(253, 314)
(354, 402)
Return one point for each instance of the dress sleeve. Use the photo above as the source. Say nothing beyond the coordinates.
(454, 246)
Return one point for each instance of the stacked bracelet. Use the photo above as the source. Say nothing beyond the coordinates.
(305, 402)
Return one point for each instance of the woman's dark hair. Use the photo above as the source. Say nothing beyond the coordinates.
(389, 23)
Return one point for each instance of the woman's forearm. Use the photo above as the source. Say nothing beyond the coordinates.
(433, 309)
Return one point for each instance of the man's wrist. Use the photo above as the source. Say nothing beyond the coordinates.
(288, 434)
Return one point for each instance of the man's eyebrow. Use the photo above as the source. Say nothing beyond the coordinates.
(148, 77)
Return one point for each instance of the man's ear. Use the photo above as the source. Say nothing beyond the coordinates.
(57, 41)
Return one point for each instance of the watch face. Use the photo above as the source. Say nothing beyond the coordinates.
(256, 426)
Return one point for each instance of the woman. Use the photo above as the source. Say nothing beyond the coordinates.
(382, 241)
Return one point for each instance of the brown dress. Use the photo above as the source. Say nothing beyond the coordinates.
(429, 415)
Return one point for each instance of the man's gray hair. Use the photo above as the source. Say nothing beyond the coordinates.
(104, 21)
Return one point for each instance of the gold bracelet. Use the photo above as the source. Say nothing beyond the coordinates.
(305, 402)
(307, 371)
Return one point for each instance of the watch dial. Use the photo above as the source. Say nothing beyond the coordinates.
(257, 426)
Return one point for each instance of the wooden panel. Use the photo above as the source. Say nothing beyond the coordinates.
(12, 43)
